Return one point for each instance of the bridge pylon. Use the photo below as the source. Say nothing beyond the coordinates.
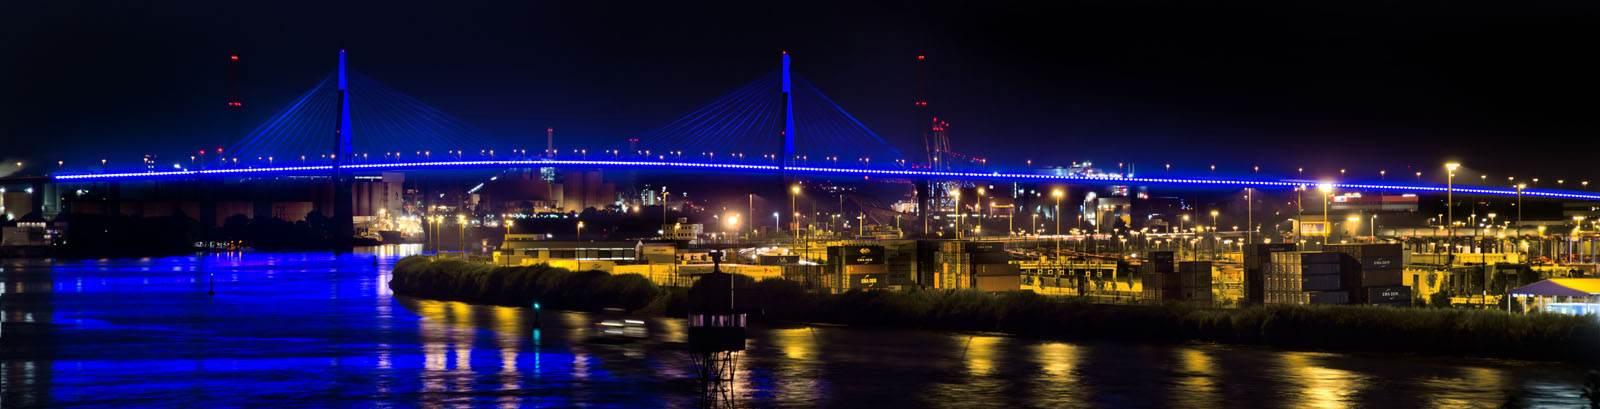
(343, 205)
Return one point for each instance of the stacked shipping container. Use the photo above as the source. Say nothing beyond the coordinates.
(1256, 258)
(1380, 272)
(1195, 280)
(1159, 279)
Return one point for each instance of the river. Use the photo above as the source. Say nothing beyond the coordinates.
(319, 330)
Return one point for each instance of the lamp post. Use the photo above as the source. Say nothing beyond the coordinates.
(1058, 194)
(664, 196)
(579, 232)
(1214, 233)
(1327, 224)
(959, 214)
(1450, 204)
(794, 191)
(461, 222)
(1249, 217)
(1373, 227)
(1520, 186)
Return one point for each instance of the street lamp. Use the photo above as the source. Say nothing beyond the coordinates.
(1327, 224)
(1520, 186)
(1057, 193)
(1449, 198)
(461, 222)
(580, 231)
(960, 216)
(1214, 233)
(794, 191)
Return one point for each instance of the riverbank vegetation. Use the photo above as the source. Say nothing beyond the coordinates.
(521, 286)
(1433, 331)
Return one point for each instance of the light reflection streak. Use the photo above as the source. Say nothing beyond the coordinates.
(1475, 386)
(1058, 384)
(1197, 380)
(508, 337)
(1319, 386)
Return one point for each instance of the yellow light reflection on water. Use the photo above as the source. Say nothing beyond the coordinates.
(1197, 380)
(1317, 386)
(980, 354)
(1058, 384)
(1474, 387)
(796, 380)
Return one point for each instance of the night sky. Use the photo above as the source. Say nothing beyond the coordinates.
(1507, 88)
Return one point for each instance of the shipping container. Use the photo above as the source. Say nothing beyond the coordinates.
(1000, 257)
(1367, 250)
(996, 269)
(1287, 297)
(1395, 294)
(1305, 257)
(1382, 278)
(1171, 282)
(1330, 297)
(1322, 283)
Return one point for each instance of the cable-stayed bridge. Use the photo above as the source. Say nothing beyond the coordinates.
(778, 123)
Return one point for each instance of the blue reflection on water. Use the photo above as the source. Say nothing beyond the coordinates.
(319, 330)
(292, 329)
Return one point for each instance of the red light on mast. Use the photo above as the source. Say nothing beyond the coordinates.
(219, 150)
(235, 58)
(919, 57)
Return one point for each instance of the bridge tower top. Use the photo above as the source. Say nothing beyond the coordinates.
(788, 113)
(346, 148)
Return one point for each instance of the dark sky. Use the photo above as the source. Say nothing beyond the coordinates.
(1508, 88)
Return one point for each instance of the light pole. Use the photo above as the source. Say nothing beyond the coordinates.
(579, 232)
(1327, 225)
(1374, 226)
(1214, 233)
(664, 196)
(1520, 186)
(960, 216)
(794, 191)
(1450, 205)
(461, 222)
(1057, 193)
(1249, 217)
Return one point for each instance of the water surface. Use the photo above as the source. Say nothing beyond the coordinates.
(319, 330)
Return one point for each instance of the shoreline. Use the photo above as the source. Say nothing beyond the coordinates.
(1332, 328)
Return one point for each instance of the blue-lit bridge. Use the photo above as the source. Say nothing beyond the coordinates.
(351, 123)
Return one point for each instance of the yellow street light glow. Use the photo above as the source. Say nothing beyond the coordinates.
(1325, 187)
(1452, 166)
(1056, 193)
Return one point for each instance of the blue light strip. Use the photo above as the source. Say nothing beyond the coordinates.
(830, 171)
